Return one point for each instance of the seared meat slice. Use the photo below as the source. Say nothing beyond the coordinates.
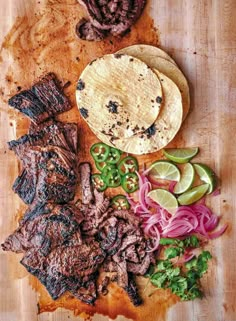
(51, 135)
(140, 268)
(55, 285)
(42, 101)
(56, 172)
(102, 288)
(25, 186)
(114, 17)
(86, 31)
(87, 292)
(80, 260)
(127, 215)
(69, 130)
(122, 273)
(132, 291)
(45, 232)
(85, 181)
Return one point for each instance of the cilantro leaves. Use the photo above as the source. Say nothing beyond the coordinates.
(183, 281)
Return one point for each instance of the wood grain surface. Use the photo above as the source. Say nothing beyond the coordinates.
(201, 36)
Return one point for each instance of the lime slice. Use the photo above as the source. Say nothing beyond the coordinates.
(186, 180)
(206, 175)
(180, 155)
(193, 195)
(165, 199)
(164, 170)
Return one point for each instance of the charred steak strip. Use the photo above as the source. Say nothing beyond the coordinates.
(85, 181)
(42, 101)
(114, 17)
(25, 186)
(45, 232)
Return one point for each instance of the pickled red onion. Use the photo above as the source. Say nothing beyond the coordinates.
(157, 222)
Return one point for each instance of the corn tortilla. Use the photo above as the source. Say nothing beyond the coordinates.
(164, 128)
(145, 51)
(165, 66)
(119, 95)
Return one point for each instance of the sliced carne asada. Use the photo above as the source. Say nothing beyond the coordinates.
(86, 31)
(108, 17)
(56, 172)
(85, 181)
(42, 101)
(25, 186)
(50, 135)
(102, 288)
(132, 291)
(69, 130)
(47, 231)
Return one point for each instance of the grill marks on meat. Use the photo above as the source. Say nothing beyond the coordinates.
(42, 101)
(108, 17)
(120, 236)
(50, 163)
(66, 245)
(47, 231)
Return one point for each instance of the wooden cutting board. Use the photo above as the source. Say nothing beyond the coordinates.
(200, 35)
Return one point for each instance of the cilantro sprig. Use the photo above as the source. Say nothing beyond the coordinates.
(184, 281)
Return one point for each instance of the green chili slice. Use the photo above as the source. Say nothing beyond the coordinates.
(113, 178)
(114, 156)
(100, 152)
(127, 165)
(98, 182)
(130, 182)
(120, 202)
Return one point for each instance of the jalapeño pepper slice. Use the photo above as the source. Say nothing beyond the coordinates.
(113, 178)
(107, 170)
(98, 182)
(130, 182)
(114, 156)
(100, 165)
(128, 164)
(120, 202)
(100, 152)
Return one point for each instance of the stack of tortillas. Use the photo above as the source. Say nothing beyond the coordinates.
(134, 100)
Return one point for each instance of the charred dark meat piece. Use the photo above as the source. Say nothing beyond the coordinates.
(42, 101)
(85, 181)
(25, 186)
(46, 231)
(55, 171)
(132, 291)
(86, 31)
(108, 17)
(56, 134)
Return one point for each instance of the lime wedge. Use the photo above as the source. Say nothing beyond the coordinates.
(186, 179)
(165, 199)
(164, 170)
(193, 195)
(206, 175)
(180, 155)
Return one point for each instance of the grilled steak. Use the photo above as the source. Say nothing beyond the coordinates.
(108, 17)
(42, 101)
(65, 245)
(46, 231)
(85, 181)
(32, 178)
(25, 186)
(132, 291)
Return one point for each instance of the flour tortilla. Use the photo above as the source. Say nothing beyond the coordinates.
(162, 62)
(145, 51)
(119, 95)
(166, 125)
